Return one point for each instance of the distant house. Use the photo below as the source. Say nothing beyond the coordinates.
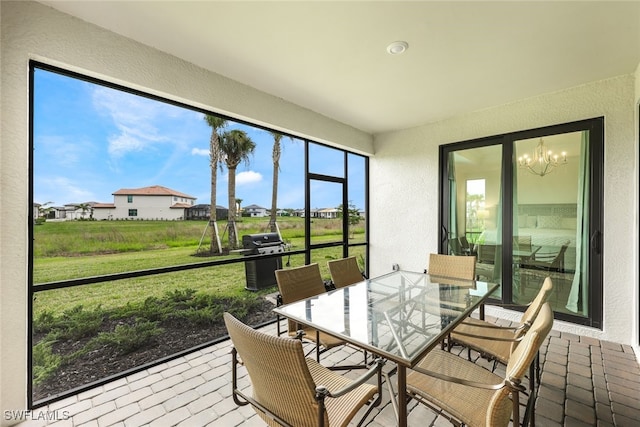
(76, 211)
(255, 211)
(104, 211)
(155, 202)
(327, 213)
(59, 212)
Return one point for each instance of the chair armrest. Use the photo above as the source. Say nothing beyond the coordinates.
(502, 305)
(489, 337)
(377, 368)
(506, 305)
(498, 327)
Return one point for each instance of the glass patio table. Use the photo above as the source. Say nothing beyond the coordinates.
(399, 316)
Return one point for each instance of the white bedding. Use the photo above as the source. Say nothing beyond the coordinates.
(544, 237)
(549, 239)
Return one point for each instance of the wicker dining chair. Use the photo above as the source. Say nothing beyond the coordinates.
(459, 267)
(296, 284)
(467, 248)
(290, 390)
(451, 266)
(496, 342)
(345, 272)
(545, 264)
(472, 395)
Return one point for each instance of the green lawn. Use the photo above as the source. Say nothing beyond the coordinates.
(139, 306)
(76, 249)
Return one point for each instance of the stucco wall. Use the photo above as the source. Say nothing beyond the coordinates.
(404, 173)
(30, 30)
(636, 302)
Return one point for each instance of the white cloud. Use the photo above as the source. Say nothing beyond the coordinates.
(124, 143)
(66, 154)
(61, 190)
(248, 177)
(200, 151)
(137, 120)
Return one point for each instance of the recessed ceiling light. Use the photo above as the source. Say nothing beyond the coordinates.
(396, 48)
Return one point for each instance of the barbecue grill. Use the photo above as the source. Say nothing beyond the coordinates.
(260, 272)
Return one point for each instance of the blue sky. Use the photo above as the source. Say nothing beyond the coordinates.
(91, 141)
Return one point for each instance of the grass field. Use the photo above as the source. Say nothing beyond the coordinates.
(76, 249)
(75, 318)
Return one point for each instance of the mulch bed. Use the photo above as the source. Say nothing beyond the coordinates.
(105, 361)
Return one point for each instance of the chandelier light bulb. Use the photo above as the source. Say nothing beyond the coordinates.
(543, 161)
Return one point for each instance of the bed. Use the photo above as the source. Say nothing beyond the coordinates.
(550, 227)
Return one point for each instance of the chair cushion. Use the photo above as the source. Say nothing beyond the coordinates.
(465, 403)
(499, 350)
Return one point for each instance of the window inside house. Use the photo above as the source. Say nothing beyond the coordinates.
(531, 210)
(476, 213)
(129, 286)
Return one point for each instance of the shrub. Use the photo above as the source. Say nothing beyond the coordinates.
(152, 309)
(44, 322)
(78, 323)
(74, 323)
(180, 295)
(45, 363)
(207, 316)
(128, 338)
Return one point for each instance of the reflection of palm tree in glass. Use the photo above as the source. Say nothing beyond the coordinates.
(235, 147)
(475, 207)
(482, 215)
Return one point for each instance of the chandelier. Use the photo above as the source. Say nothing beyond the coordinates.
(543, 161)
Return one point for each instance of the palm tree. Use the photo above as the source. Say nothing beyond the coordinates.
(235, 147)
(84, 208)
(277, 136)
(44, 209)
(216, 123)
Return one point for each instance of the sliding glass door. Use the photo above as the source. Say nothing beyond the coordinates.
(528, 206)
(474, 190)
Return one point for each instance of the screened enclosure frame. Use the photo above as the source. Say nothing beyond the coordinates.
(34, 288)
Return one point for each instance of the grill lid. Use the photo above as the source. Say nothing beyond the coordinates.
(257, 241)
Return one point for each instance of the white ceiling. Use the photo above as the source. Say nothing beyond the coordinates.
(330, 57)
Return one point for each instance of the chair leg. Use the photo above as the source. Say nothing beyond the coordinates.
(515, 396)
(234, 378)
(317, 346)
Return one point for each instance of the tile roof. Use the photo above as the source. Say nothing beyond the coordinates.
(154, 190)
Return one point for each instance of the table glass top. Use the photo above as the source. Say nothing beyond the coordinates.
(400, 316)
